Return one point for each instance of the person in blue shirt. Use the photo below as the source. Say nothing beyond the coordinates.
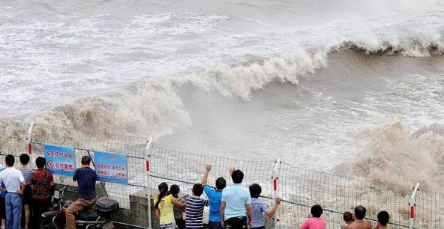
(260, 208)
(214, 197)
(236, 204)
(86, 178)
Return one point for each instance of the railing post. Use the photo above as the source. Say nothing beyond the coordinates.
(147, 179)
(274, 178)
(94, 164)
(412, 204)
(29, 137)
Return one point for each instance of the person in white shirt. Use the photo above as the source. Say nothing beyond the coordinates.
(15, 184)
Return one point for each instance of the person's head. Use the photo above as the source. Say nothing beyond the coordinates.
(360, 212)
(348, 217)
(237, 176)
(40, 162)
(9, 160)
(86, 160)
(316, 211)
(174, 190)
(24, 159)
(163, 190)
(163, 187)
(197, 190)
(383, 218)
(221, 183)
(255, 190)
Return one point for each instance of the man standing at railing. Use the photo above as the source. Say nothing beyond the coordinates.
(15, 184)
(86, 179)
(214, 197)
(360, 222)
(236, 204)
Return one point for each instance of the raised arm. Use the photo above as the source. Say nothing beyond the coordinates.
(205, 177)
(274, 209)
(231, 170)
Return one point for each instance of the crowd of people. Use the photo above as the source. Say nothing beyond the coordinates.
(28, 193)
(24, 192)
(235, 207)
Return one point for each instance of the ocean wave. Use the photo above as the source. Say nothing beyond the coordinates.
(152, 107)
(394, 158)
(241, 80)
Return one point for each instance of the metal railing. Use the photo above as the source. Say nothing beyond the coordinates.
(149, 164)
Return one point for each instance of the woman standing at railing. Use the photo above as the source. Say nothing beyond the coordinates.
(164, 207)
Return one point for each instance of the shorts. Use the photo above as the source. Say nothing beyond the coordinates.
(236, 223)
(2, 208)
(167, 226)
(27, 195)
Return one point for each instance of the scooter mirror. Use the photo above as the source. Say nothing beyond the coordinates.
(62, 178)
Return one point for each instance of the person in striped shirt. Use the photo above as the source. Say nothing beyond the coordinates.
(194, 208)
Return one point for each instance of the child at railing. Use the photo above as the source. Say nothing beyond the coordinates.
(260, 208)
(164, 207)
(214, 198)
(383, 219)
(348, 219)
(316, 222)
(195, 208)
(178, 214)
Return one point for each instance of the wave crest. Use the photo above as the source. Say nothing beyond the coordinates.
(394, 158)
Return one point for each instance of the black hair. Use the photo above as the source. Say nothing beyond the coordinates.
(40, 162)
(360, 212)
(348, 216)
(221, 183)
(163, 190)
(383, 218)
(10, 160)
(255, 190)
(197, 189)
(174, 190)
(316, 210)
(86, 160)
(24, 159)
(237, 176)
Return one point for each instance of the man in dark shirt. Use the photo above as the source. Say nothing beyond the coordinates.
(86, 179)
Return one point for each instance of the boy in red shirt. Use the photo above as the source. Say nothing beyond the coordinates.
(316, 222)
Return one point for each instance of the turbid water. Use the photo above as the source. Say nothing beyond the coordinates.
(301, 79)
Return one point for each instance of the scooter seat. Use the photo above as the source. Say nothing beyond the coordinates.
(86, 215)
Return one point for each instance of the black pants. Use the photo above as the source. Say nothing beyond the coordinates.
(180, 223)
(39, 207)
(215, 225)
(236, 223)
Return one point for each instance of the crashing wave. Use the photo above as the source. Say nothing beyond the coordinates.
(152, 106)
(394, 158)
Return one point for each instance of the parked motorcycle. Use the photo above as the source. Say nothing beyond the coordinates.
(56, 219)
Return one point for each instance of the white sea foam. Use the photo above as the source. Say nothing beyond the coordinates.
(172, 70)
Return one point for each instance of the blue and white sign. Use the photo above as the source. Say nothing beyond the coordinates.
(111, 167)
(60, 160)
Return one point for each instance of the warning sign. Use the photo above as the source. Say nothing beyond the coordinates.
(60, 160)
